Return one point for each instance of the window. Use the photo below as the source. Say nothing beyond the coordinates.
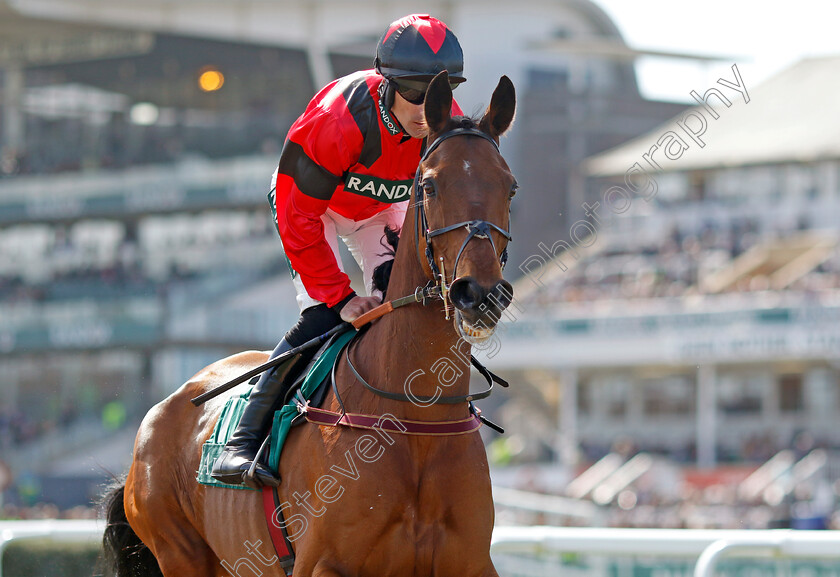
(614, 393)
(670, 396)
(584, 397)
(696, 186)
(741, 394)
(791, 398)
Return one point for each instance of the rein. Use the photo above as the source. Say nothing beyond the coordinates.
(420, 295)
(480, 229)
(436, 399)
(388, 422)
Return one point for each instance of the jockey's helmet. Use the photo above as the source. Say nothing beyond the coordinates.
(416, 48)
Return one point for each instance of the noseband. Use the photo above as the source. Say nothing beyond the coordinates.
(475, 228)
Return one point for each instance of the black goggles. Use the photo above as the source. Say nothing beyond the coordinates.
(414, 91)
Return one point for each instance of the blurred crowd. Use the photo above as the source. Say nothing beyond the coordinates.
(795, 484)
(112, 150)
(674, 267)
(16, 428)
(754, 449)
(40, 511)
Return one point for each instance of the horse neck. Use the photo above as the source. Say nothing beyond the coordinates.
(415, 338)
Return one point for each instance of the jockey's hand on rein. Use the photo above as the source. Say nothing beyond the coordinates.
(358, 306)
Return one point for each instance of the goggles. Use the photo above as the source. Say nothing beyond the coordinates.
(414, 91)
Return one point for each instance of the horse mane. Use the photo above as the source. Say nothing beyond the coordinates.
(465, 122)
(382, 273)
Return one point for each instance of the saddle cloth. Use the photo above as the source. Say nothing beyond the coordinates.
(318, 373)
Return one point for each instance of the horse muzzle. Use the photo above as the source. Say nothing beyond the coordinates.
(478, 308)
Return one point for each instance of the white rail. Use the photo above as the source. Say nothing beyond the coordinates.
(780, 543)
(707, 546)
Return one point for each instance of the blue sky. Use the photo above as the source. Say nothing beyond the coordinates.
(762, 38)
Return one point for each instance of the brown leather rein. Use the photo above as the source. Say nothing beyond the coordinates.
(327, 418)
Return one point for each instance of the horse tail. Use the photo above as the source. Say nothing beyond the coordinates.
(123, 553)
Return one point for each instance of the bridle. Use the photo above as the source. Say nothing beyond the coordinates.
(475, 228)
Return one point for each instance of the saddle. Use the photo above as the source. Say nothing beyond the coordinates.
(310, 387)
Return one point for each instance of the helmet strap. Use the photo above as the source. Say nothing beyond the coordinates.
(387, 91)
(390, 93)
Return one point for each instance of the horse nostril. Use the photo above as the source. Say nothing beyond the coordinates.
(502, 294)
(466, 293)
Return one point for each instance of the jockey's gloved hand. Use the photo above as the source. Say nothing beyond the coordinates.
(357, 306)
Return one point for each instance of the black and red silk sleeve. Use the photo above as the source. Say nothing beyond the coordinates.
(313, 159)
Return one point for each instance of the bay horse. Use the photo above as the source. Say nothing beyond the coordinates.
(423, 506)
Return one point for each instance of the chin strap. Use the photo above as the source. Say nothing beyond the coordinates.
(386, 101)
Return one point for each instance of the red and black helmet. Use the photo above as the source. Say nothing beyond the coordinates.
(418, 47)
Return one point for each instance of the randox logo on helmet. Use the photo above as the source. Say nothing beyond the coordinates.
(378, 188)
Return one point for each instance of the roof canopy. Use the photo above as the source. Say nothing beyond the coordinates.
(793, 117)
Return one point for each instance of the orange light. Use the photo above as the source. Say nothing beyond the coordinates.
(211, 80)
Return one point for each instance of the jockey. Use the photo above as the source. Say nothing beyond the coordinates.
(345, 170)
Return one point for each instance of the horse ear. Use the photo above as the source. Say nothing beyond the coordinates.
(438, 102)
(499, 115)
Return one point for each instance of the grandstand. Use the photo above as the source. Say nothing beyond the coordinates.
(131, 204)
(699, 327)
(135, 242)
(686, 342)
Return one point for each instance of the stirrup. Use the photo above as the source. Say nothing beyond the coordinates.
(250, 477)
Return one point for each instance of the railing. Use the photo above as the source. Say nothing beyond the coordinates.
(187, 185)
(708, 547)
(634, 228)
(755, 327)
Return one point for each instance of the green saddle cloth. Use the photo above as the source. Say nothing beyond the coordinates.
(235, 405)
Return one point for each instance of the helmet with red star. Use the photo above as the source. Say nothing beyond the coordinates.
(418, 47)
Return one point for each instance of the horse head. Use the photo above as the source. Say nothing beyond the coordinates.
(463, 191)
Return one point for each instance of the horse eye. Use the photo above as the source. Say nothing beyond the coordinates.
(513, 190)
(429, 187)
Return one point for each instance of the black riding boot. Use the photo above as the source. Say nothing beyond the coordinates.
(241, 450)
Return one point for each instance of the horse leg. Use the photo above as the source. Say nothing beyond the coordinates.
(180, 550)
(160, 523)
(199, 561)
